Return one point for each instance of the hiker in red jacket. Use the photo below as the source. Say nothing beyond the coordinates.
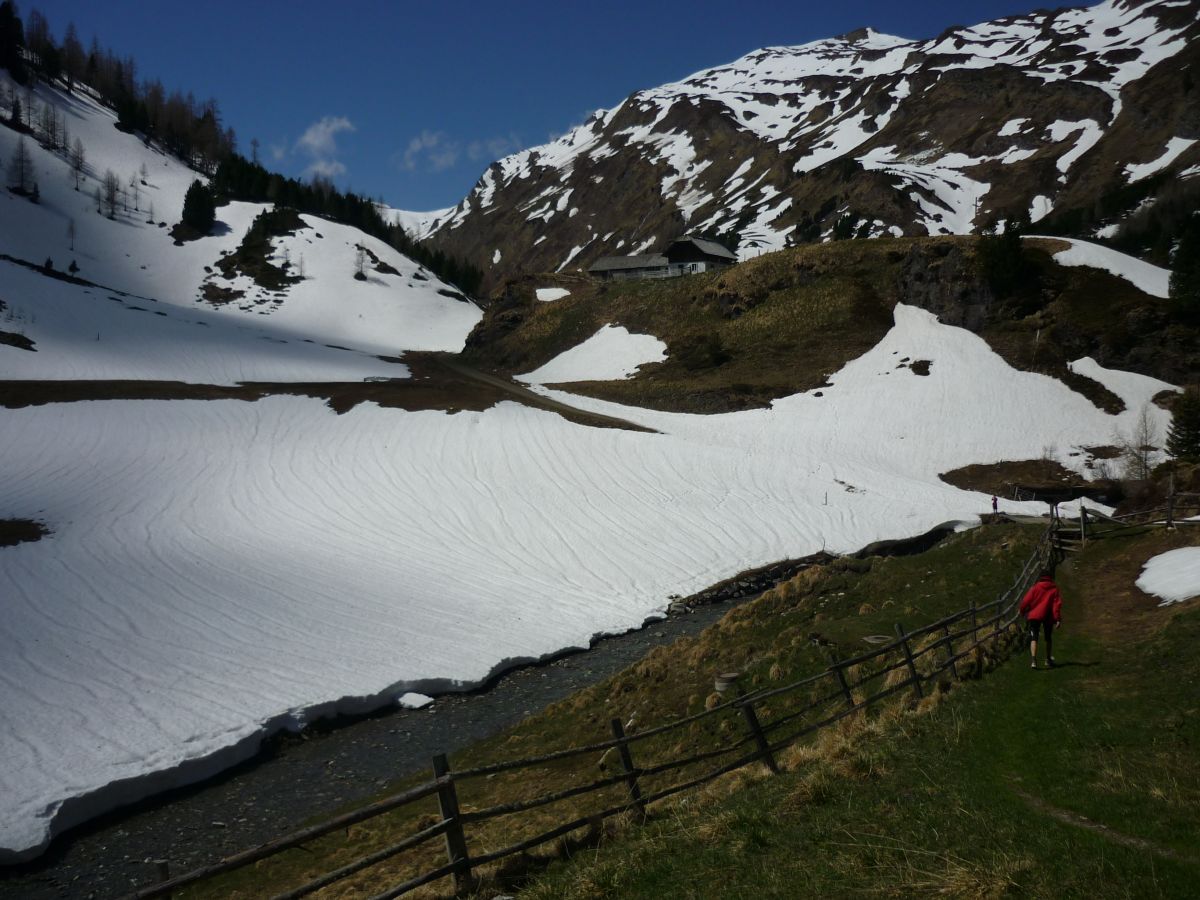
(1042, 608)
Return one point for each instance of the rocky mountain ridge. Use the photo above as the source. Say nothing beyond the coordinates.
(1071, 118)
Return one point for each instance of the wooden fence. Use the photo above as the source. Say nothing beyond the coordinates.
(768, 720)
(1179, 510)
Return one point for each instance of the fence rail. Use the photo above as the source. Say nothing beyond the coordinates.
(846, 687)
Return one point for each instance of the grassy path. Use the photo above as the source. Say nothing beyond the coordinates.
(1081, 781)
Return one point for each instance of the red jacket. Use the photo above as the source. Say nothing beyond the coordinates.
(1043, 601)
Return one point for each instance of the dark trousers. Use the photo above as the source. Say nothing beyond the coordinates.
(1046, 626)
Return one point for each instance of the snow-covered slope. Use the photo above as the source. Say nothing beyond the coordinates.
(403, 307)
(82, 333)
(219, 569)
(1026, 114)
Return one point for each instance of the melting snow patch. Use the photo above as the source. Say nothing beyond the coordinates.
(547, 295)
(1012, 127)
(611, 354)
(1175, 147)
(1040, 208)
(1173, 576)
(1135, 390)
(1142, 275)
(1089, 133)
(412, 700)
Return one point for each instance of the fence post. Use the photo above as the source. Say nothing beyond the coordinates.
(163, 868)
(912, 666)
(1171, 501)
(1082, 526)
(764, 749)
(950, 652)
(456, 842)
(631, 779)
(836, 669)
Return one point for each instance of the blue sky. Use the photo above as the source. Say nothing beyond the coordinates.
(410, 100)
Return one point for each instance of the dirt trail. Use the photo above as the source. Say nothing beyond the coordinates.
(438, 381)
(530, 398)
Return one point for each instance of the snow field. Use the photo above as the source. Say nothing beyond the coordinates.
(1173, 576)
(222, 569)
(91, 334)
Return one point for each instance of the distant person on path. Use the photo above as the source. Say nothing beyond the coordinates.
(1042, 608)
(995, 505)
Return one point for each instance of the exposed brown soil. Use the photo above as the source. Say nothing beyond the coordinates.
(1000, 478)
(184, 233)
(438, 382)
(378, 264)
(21, 531)
(217, 295)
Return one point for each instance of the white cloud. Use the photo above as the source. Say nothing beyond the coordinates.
(319, 143)
(431, 150)
(435, 151)
(328, 168)
(319, 139)
(493, 148)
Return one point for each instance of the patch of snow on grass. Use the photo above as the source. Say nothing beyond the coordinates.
(413, 700)
(1173, 576)
(1135, 390)
(1012, 127)
(1152, 279)
(1175, 147)
(946, 196)
(547, 295)
(1089, 133)
(612, 353)
(1040, 207)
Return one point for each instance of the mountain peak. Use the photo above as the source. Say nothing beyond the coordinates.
(1024, 116)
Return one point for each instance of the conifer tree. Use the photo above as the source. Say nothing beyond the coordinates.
(72, 56)
(12, 39)
(199, 208)
(1183, 437)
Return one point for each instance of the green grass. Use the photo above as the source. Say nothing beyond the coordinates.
(1082, 781)
(781, 323)
(770, 327)
(786, 634)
